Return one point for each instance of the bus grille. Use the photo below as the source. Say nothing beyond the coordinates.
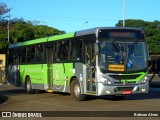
(123, 77)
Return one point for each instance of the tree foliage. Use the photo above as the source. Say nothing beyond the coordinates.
(151, 30)
(21, 30)
(3, 10)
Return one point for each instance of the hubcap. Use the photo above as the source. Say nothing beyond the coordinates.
(77, 90)
(28, 86)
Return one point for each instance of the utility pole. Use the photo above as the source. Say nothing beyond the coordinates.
(8, 40)
(124, 12)
(8, 20)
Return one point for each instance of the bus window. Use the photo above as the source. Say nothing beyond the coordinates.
(60, 54)
(76, 53)
(39, 53)
(11, 56)
(63, 51)
(79, 50)
(31, 54)
(66, 50)
(23, 57)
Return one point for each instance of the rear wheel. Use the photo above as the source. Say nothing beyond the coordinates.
(76, 91)
(28, 86)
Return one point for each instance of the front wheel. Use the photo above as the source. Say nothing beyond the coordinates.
(76, 91)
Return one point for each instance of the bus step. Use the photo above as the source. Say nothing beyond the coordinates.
(50, 91)
(90, 93)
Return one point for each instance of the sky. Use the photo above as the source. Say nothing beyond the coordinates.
(75, 15)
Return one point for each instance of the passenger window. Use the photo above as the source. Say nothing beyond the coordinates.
(69, 50)
(39, 53)
(31, 54)
(63, 51)
(76, 50)
(23, 57)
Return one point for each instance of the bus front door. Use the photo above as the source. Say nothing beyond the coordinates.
(90, 60)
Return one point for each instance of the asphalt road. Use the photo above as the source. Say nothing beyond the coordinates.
(15, 99)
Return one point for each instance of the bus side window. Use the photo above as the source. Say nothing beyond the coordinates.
(23, 57)
(39, 53)
(79, 50)
(31, 54)
(63, 51)
(76, 50)
(11, 57)
(59, 53)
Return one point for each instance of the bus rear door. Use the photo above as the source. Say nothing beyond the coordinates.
(49, 60)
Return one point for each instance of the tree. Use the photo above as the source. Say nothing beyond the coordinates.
(152, 32)
(21, 30)
(3, 10)
(3, 28)
(44, 31)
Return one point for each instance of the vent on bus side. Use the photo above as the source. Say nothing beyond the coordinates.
(123, 77)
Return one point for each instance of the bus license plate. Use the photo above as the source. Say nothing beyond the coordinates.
(127, 92)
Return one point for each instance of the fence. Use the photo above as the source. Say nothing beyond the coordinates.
(154, 62)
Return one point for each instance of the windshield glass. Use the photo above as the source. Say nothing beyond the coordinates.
(122, 56)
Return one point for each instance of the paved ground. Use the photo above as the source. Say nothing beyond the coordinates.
(155, 81)
(15, 99)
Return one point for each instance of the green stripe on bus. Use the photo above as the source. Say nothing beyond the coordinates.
(38, 73)
(47, 39)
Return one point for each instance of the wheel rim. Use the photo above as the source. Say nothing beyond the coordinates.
(28, 85)
(77, 90)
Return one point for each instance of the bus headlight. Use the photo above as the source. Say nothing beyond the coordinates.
(145, 79)
(104, 80)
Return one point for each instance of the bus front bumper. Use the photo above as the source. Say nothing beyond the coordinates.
(122, 89)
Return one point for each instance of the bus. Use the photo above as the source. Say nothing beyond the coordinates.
(99, 61)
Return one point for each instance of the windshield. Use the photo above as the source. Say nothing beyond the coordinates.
(122, 56)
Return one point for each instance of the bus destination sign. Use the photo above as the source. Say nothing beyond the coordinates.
(122, 34)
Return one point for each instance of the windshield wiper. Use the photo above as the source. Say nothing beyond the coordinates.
(116, 46)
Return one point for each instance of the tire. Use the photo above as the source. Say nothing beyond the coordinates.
(76, 91)
(117, 97)
(28, 86)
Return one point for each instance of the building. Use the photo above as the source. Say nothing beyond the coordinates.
(2, 67)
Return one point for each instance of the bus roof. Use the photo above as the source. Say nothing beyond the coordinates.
(64, 36)
(95, 30)
(42, 40)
